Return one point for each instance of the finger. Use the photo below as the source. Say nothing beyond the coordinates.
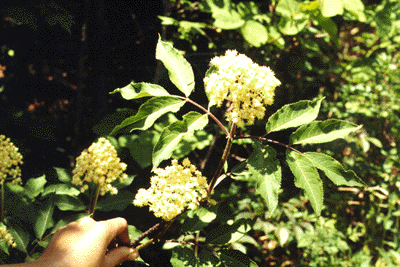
(119, 255)
(117, 227)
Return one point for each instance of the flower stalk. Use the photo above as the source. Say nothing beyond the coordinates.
(221, 164)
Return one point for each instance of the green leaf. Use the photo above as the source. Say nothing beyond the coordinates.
(179, 70)
(66, 202)
(234, 258)
(331, 8)
(44, 219)
(149, 112)
(4, 246)
(226, 17)
(34, 186)
(307, 178)
(198, 219)
(207, 259)
(334, 170)
(138, 90)
(174, 133)
(322, 132)
(330, 27)
(116, 202)
(63, 175)
(60, 189)
(183, 257)
(266, 171)
(293, 115)
(65, 221)
(226, 234)
(293, 19)
(355, 7)
(255, 33)
(20, 237)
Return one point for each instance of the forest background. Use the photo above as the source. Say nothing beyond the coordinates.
(61, 59)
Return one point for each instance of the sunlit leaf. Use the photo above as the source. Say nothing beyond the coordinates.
(322, 131)
(293, 115)
(355, 7)
(179, 70)
(174, 133)
(226, 17)
(149, 112)
(331, 8)
(63, 175)
(306, 177)
(138, 90)
(334, 170)
(34, 186)
(255, 33)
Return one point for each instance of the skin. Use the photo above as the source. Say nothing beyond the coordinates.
(84, 243)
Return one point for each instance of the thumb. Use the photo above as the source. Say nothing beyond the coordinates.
(119, 255)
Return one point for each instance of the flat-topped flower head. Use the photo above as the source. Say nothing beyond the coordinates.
(6, 236)
(101, 165)
(173, 189)
(10, 158)
(248, 86)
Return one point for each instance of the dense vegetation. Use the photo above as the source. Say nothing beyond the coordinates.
(59, 61)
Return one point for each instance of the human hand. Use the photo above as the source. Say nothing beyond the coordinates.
(84, 243)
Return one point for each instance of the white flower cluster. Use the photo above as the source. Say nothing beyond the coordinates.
(6, 236)
(173, 189)
(248, 86)
(100, 165)
(9, 160)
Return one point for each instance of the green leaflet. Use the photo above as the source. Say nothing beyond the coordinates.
(322, 132)
(198, 219)
(61, 189)
(226, 17)
(182, 257)
(306, 177)
(149, 112)
(235, 258)
(174, 133)
(293, 19)
(65, 221)
(334, 170)
(138, 90)
(65, 202)
(266, 170)
(207, 259)
(179, 70)
(44, 218)
(20, 236)
(255, 33)
(293, 115)
(34, 186)
(331, 8)
(116, 202)
(226, 234)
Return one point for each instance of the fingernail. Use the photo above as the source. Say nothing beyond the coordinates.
(134, 254)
